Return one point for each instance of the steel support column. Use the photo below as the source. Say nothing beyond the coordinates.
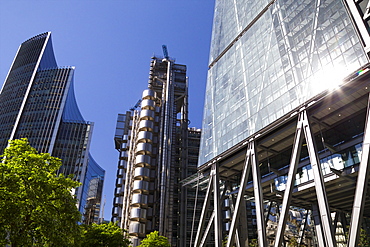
(297, 144)
(243, 184)
(361, 186)
(344, 223)
(216, 206)
(268, 212)
(206, 232)
(194, 212)
(319, 184)
(216, 214)
(335, 223)
(202, 220)
(258, 197)
(303, 126)
(318, 225)
(242, 223)
(242, 231)
(302, 228)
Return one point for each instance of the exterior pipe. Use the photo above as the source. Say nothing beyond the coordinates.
(128, 181)
(167, 136)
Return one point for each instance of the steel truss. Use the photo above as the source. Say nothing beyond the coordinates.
(324, 228)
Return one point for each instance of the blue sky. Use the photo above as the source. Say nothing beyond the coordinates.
(110, 43)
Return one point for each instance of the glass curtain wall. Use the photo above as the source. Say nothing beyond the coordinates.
(268, 58)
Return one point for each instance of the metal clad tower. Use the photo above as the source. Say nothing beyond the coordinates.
(152, 141)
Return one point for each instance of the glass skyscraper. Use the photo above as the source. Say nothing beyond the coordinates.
(285, 150)
(269, 57)
(37, 102)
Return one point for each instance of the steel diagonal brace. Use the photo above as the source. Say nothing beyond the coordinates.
(303, 126)
(216, 206)
(303, 228)
(258, 197)
(290, 182)
(243, 184)
(318, 225)
(202, 220)
(319, 184)
(361, 187)
(211, 221)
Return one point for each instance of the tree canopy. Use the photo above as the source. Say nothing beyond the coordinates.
(154, 240)
(36, 206)
(104, 235)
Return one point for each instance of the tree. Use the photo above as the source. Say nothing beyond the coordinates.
(154, 240)
(364, 238)
(104, 235)
(253, 243)
(36, 206)
(293, 242)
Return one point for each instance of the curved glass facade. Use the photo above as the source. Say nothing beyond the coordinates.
(18, 82)
(92, 189)
(268, 58)
(37, 102)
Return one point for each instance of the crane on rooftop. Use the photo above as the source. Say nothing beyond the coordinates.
(136, 105)
(165, 52)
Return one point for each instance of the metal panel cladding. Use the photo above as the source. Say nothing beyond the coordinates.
(269, 57)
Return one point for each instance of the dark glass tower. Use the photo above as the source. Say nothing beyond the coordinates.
(37, 102)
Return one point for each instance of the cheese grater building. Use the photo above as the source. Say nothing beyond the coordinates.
(285, 126)
(37, 102)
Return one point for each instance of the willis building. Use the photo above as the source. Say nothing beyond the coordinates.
(37, 102)
(286, 131)
(156, 151)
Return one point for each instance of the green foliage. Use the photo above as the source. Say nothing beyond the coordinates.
(364, 238)
(293, 242)
(253, 243)
(154, 240)
(36, 206)
(224, 241)
(104, 235)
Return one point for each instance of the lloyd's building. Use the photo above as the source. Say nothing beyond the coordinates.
(285, 138)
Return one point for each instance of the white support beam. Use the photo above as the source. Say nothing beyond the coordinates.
(257, 188)
(319, 184)
(242, 223)
(318, 225)
(243, 184)
(216, 205)
(204, 239)
(361, 187)
(202, 220)
(336, 218)
(344, 224)
(297, 144)
(303, 228)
